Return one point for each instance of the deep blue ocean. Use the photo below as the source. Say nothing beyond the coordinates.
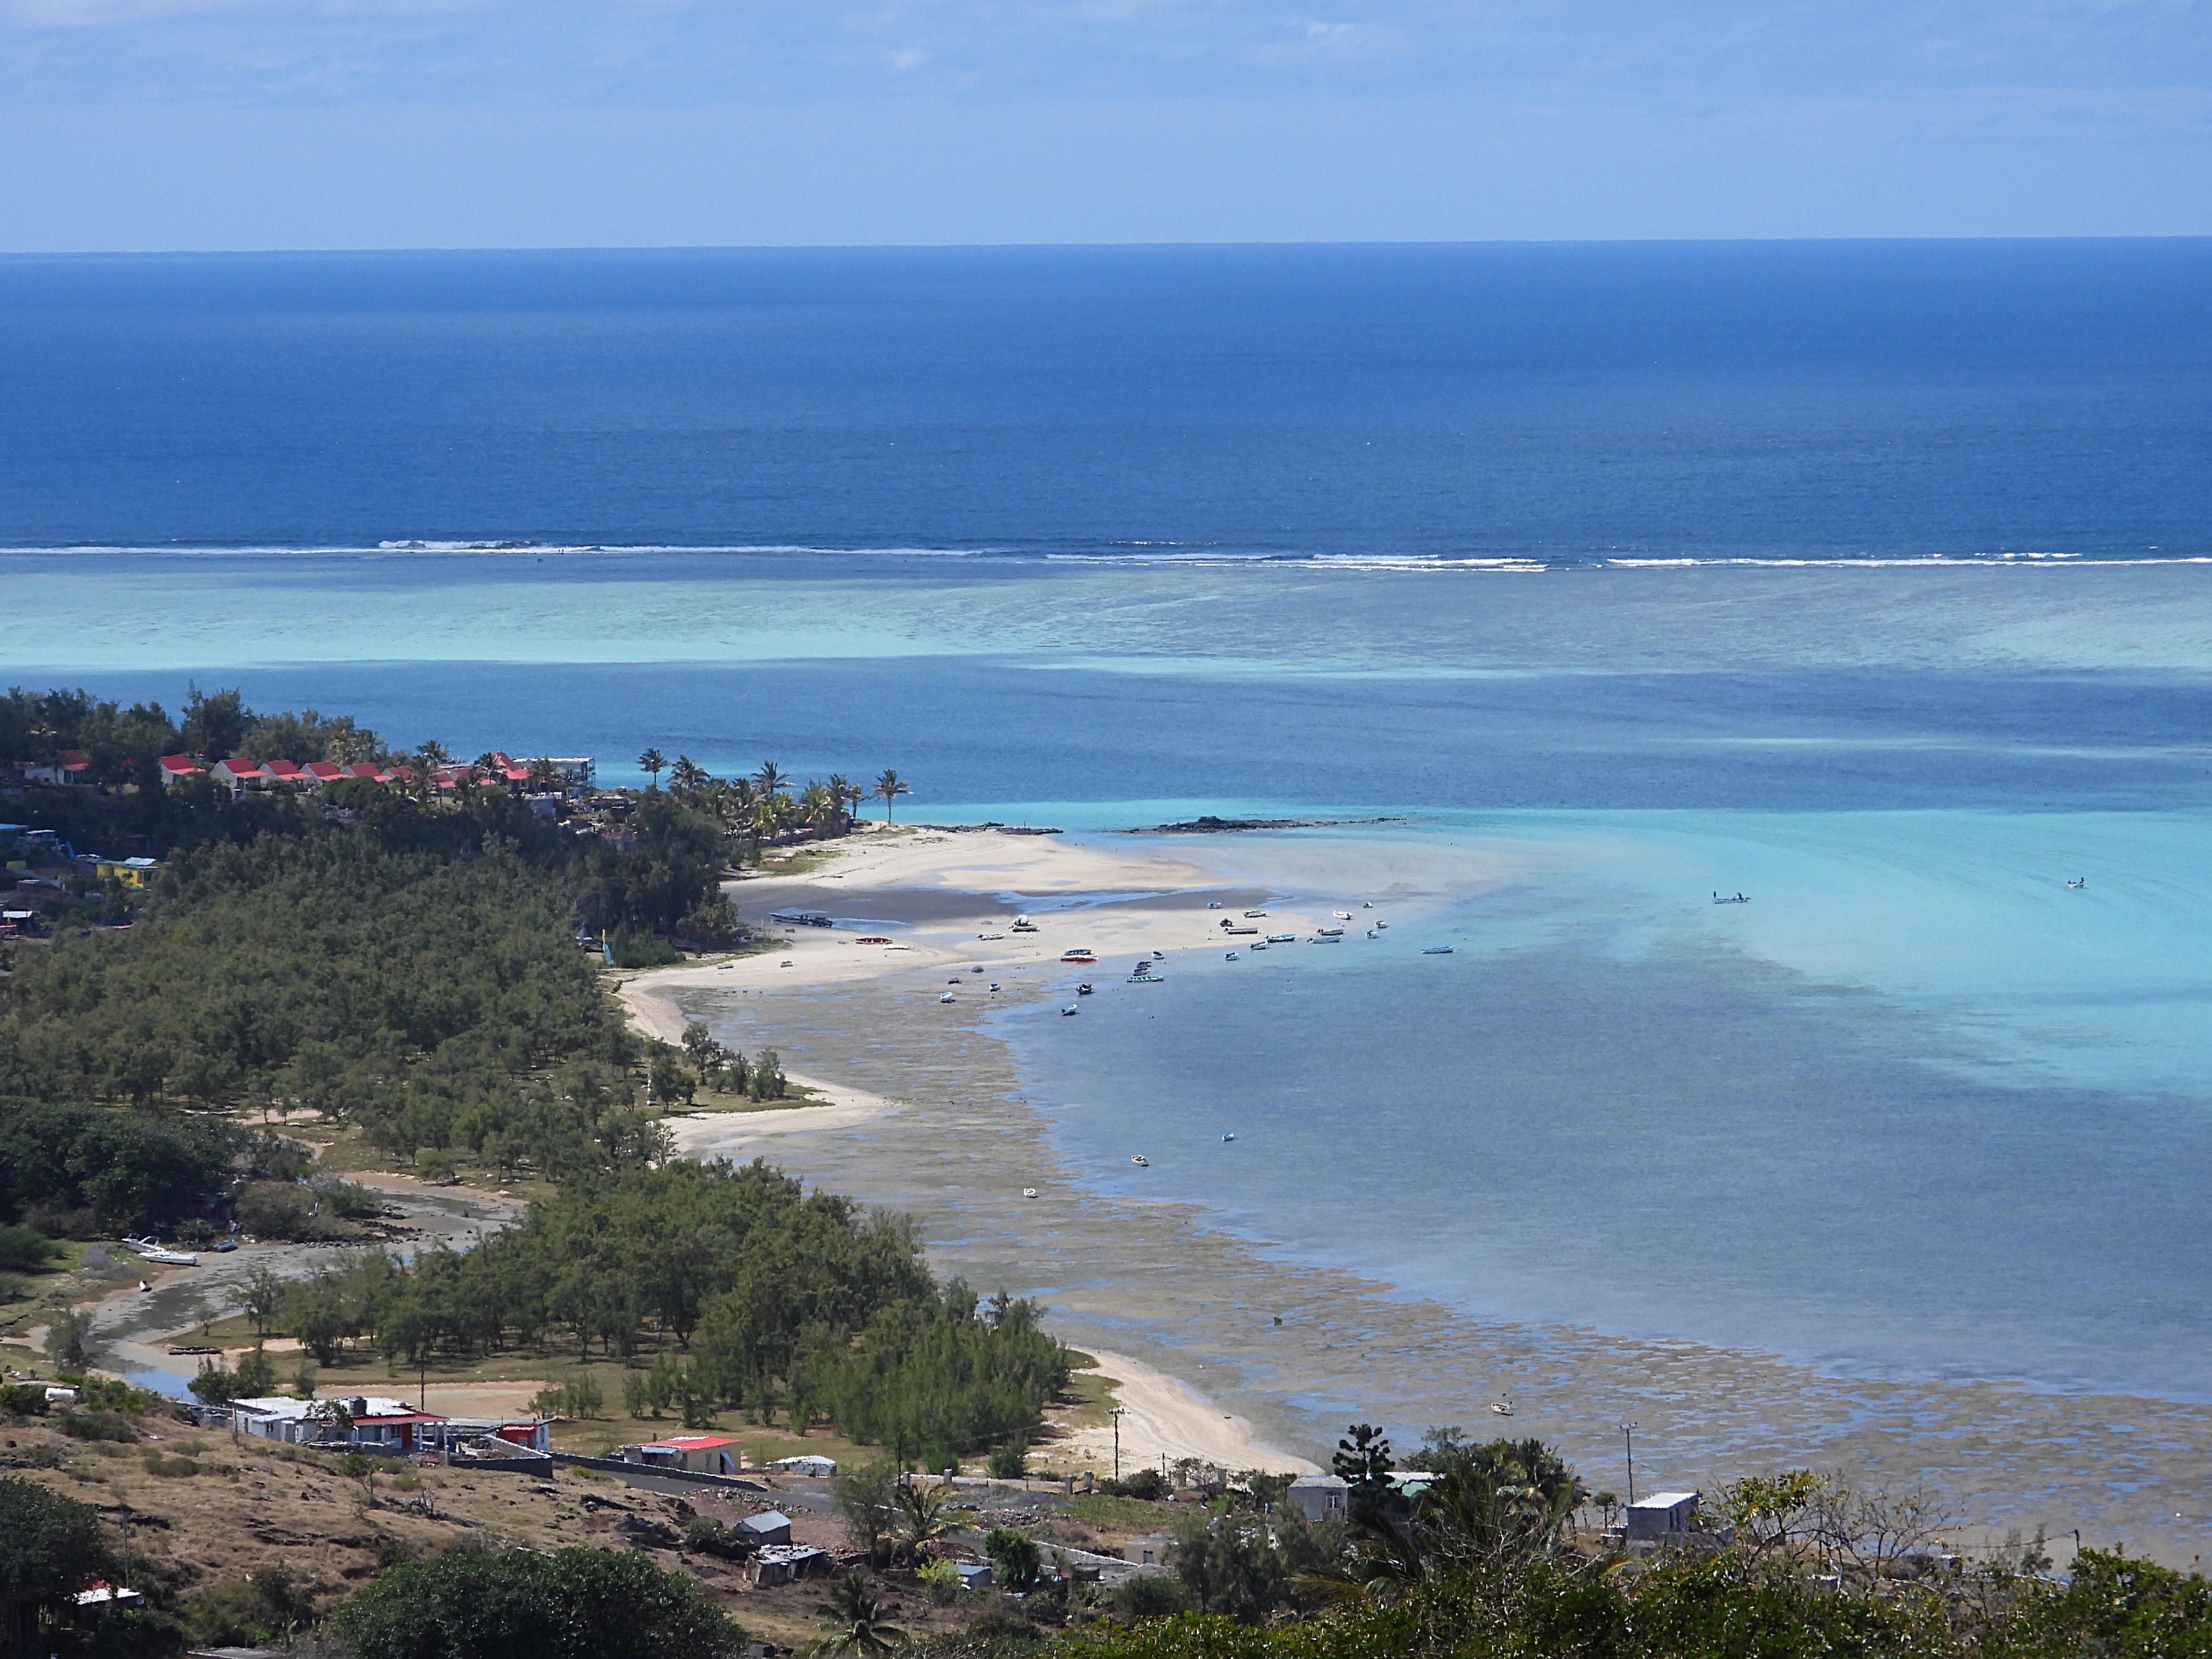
(1869, 578)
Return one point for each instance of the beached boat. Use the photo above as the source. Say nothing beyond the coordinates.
(1029, 1192)
(1260, 944)
(1024, 924)
(1341, 916)
(152, 1251)
(984, 936)
(1078, 956)
(873, 938)
(1503, 1408)
(1254, 915)
(1214, 904)
(1086, 989)
(1140, 1160)
(1231, 956)
(1436, 949)
(1241, 933)
(1069, 1009)
(947, 997)
(1146, 979)
(1380, 923)
(1282, 939)
(801, 918)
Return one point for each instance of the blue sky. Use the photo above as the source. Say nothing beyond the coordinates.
(179, 124)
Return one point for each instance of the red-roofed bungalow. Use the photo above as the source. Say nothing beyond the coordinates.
(175, 768)
(291, 772)
(363, 770)
(321, 772)
(238, 772)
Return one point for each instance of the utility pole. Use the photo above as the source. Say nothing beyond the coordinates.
(1118, 1410)
(1628, 1439)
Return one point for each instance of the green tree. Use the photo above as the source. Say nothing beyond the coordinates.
(517, 1604)
(50, 1544)
(1017, 1557)
(862, 1622)
(653, 762)
(69, 1338)
(866, 1498)
(889, 787)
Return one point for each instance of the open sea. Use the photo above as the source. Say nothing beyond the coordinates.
(1872, 580)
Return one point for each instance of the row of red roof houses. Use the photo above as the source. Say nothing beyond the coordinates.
(240, 773)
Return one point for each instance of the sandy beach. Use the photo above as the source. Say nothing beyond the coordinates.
(925, 1114)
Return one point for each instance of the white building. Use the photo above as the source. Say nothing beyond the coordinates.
(1663, 1516)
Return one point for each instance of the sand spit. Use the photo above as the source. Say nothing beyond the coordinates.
(1293, 1349)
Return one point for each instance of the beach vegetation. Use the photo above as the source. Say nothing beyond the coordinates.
(861, 1620)
(50, 1547)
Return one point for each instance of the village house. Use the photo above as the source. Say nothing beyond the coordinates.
(364, 1421)
(1318, 1496)
(1663, 1516)
(175, 768)
(238, 772)
(700, 1454)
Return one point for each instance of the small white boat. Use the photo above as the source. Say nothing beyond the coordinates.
(1029, 1192)
(1436, 949)
(1146, 979)
(1282, 939)
(1214, 904)
(1367, 904)
(995, 985)
(1231, 956)
(1140, 1160)
(2078, 883)
(1380, 924)
(1341, 916)
(1371, 933)
(1086, 989)
(1068, 1010)
(151, 1250)
(1229, 1137)
(1503, 1408)
(1260, 944)
(1329, 932)
(947, 997)
(1254, 915)
(978, 935)
(1739, 898)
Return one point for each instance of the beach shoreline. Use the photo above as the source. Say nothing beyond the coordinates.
(928, 1117)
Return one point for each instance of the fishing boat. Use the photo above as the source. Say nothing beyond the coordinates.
(1380, 924)
(1436, 949)
(1086, 989)
(1254, 915)
(1140, 1160)
(1240, 933)
(947, 997)
(1229, 1137)
(1146, 979)
(1282, 939)
(1069, 1009)
(2078, 883)
(1231, 956)
(1503, 1408)
(1341, 916)
(1739, 898)
(1371, 933)
(1329, 932)
(995, 985)
(1214, 904)
(1260, 944)
(1079, 954)
(1029, 1192)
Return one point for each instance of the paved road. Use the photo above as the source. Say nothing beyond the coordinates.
(126, 1326)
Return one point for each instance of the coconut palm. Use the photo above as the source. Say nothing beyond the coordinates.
(687, 773)
(652, 764)
(818, 806)
(769, 779)
(842, 794)
(889, 787)
(863, 1622)
(432, 756)
(543, 774)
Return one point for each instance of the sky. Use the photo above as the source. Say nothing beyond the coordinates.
(150, 124)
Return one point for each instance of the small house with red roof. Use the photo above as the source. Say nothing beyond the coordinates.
(175, 768)
(701, 1454)
(290, 772)
(319, 773)
(238, 772)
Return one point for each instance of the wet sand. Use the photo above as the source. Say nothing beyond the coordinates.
(1154, 1281)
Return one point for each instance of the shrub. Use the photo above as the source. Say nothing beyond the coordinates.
(1010, 1462)
(24, 1399)
(96, 1425)
(170, 1467)
(1151, 1595)
(1147, 1483)
(351, 1200)
(278, 1209)
(26, 1251)
(940, 1581)
(1016, 1556)
(630, 950)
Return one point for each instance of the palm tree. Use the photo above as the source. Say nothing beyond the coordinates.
(863, 1623)
(841, 794)
(687, 773)
(889, 787)
(543, 774)
(432, 755)
(819, 807)
(653, 762)
(769, 779)
(922, 1519)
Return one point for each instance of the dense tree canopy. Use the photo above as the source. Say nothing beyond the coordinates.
(50, 1544)
(780, 1297)
(518, 1604)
